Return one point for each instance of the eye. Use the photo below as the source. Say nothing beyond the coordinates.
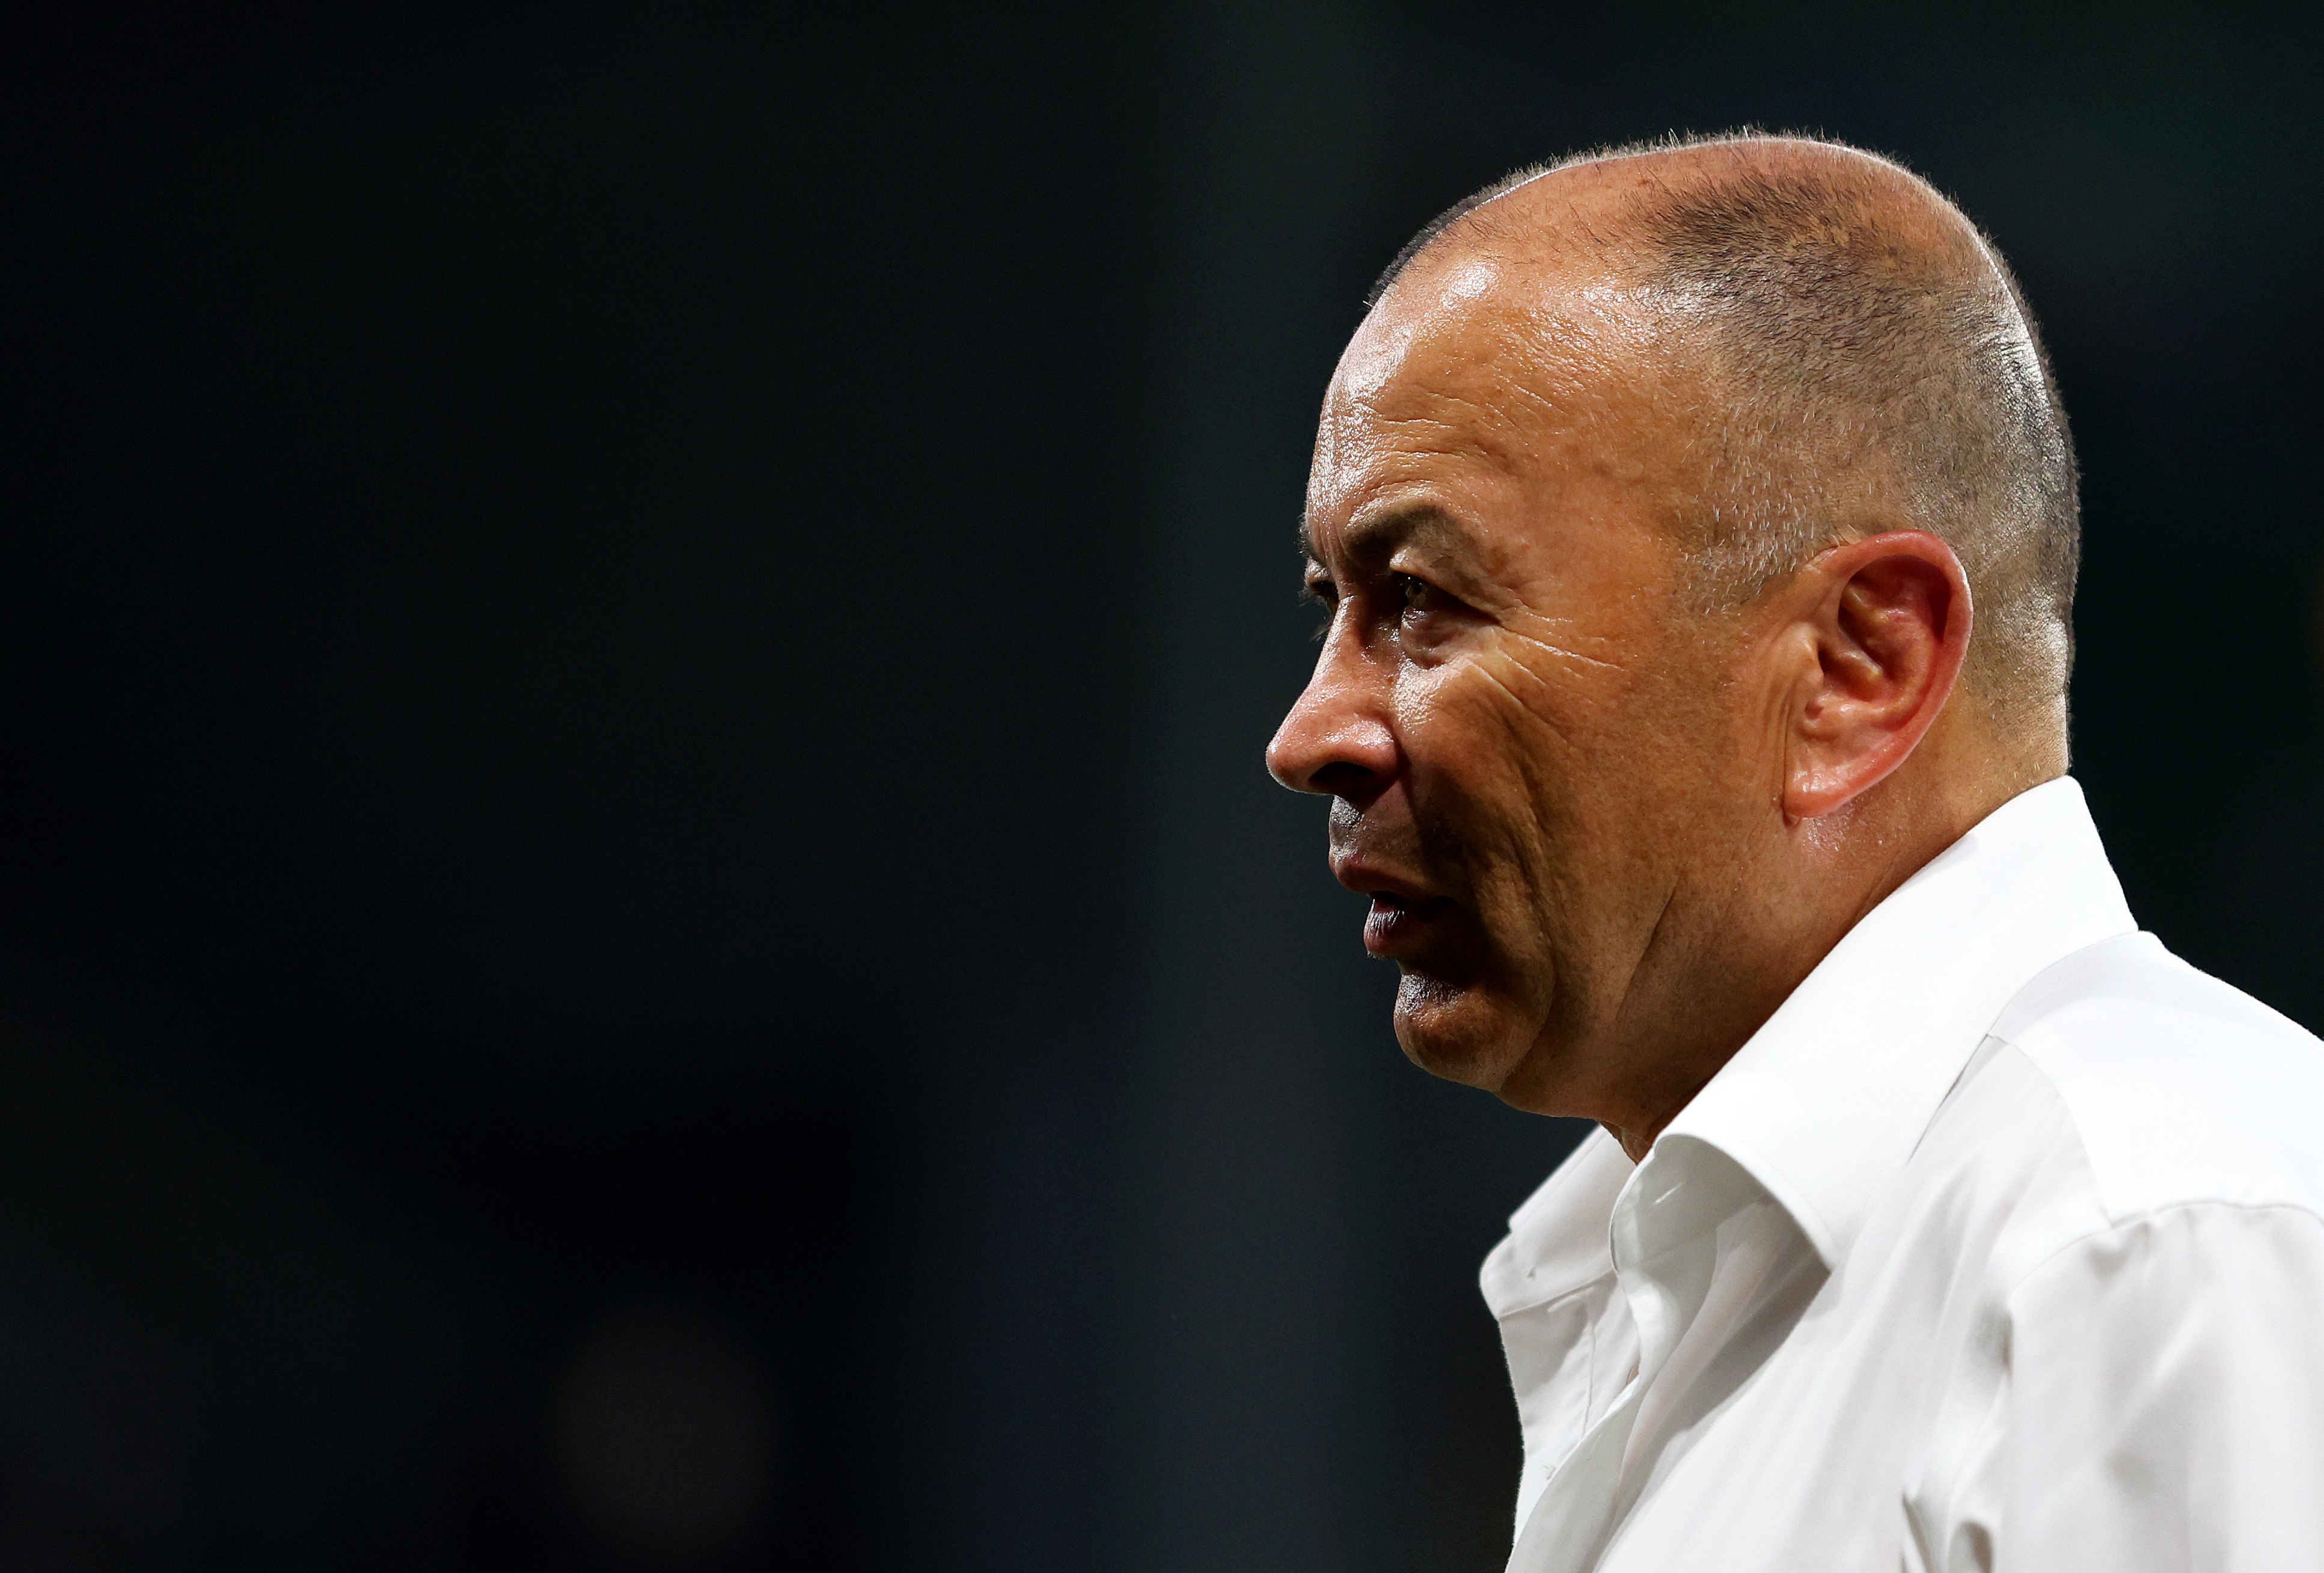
(1420, 597)
(1323, 597)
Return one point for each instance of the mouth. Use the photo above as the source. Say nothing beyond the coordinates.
(1398, 925)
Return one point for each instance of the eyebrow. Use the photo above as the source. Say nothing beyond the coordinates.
(1373, 536)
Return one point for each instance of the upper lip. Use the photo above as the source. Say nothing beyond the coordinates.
(1350, 869)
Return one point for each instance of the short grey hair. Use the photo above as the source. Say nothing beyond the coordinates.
(1862, 374)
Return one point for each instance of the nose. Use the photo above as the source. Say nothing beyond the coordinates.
(1338, 739)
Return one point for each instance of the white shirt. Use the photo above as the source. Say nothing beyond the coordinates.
(2000, 1245)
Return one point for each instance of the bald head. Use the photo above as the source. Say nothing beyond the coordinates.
(1649, 505)
(1843, 353)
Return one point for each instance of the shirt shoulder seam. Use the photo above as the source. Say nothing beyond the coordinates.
(2148, 1214)
(2073, 1120)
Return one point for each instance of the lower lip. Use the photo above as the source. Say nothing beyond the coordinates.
(1394, 925)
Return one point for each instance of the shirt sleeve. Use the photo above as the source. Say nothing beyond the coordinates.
(2164, 1407)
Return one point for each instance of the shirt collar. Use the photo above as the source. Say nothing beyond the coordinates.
(1829, 1098)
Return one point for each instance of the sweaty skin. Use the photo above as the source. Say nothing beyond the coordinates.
(1605, 831)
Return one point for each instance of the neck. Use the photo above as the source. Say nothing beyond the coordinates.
(1753, 935)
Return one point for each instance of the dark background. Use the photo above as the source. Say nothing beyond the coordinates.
(639, 921)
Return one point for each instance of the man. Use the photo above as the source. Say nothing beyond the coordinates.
(1698, 527)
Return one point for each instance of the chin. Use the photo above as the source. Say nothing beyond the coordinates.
(1459, 1031)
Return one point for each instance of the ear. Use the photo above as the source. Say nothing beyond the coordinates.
(1887, 619)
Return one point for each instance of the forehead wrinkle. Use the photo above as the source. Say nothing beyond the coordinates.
(1412, 418)
(1434, 438)
(1539, 376)
(1500, 396)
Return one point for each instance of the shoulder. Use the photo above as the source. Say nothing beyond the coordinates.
(2180, 1088)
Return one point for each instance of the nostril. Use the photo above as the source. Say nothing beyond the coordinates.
(1342, 779)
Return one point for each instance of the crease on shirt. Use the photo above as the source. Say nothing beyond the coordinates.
(1987, 1048)
(1589, 1393)
(1589, 1350)
(1942, 1558)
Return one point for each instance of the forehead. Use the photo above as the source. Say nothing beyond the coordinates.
(1502, 378)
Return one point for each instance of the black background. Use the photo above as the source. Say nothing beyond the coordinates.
(637, 643)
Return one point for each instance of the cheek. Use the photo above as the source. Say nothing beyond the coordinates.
(1468, 741)
(1501, 760)
(1560, 787)
(1515, 730)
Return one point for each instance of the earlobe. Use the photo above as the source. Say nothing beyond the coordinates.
(1888, 618)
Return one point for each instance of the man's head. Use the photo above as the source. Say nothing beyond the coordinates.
(1650, 501)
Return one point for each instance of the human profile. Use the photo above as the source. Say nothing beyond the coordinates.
(1697, 528)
